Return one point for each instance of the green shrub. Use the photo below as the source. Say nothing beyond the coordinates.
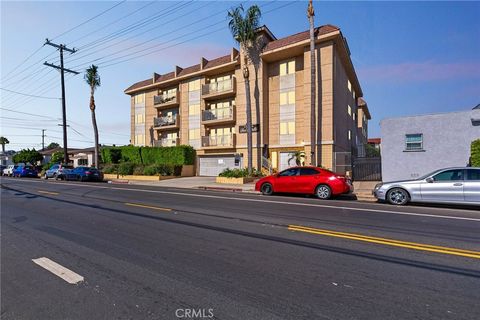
(150, 170)
(110, 168)
(126, 168)
(475, 153)
(239, 173)
(162, 170)
(138, 170)
(178, 155)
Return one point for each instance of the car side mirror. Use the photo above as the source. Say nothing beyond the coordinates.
(429, 180)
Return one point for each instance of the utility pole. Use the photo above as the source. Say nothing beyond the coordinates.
(310, 15)
(43, 138)
(62, 47)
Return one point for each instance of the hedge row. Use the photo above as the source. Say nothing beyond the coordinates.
(475, 153)
(176, 156)
(127, 168)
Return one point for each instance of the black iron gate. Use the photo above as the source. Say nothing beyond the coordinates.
(367, 169)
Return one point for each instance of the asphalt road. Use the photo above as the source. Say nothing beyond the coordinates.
(165, 253)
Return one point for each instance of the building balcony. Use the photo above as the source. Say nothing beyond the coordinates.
(219, 142)
(166, 123)
(165, 142)
(166, 100)
(218, 116)
(221, 89)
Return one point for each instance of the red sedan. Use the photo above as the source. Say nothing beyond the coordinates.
(307, 180)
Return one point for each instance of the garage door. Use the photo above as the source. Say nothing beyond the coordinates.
(212, 166)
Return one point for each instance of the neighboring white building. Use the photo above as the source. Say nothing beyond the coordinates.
(416, 145)
(82, 157)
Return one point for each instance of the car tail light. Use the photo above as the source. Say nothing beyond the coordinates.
(87, 172)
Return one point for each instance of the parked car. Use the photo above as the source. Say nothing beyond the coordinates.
(84, 174)
(57, 171)
(25, 171)
(8, 171)
(449, 185)
(307, 180)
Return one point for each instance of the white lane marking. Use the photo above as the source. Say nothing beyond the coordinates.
(58, 270)
(282, 202)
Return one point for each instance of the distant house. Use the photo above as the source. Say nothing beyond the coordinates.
(82, 157)
(47, 154)
(416, 145)
(6, 158)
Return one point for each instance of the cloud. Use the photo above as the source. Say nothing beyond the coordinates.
(409, 72)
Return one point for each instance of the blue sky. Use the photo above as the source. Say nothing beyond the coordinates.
(410, 57)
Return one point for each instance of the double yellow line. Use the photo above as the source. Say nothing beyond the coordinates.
(48, 192)
(388, 242)
(146, 206)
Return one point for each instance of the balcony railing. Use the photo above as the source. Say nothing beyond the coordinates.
(220, 87)
(165, 121)
(169, 99)
(227, 140)
(166, 142)
(218, 114)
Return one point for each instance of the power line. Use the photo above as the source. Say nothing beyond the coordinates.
(24, 61)
(30, 95)
(88, 20)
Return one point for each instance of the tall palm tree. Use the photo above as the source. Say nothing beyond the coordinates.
(92, 78)
(243, 25)
(3, 142)
(310, 15)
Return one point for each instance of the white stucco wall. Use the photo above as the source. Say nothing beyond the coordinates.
(446, 143)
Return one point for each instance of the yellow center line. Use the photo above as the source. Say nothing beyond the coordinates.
(145, 206)
(389, 242)
(48, 192)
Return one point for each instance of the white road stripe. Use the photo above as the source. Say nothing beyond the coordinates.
(286, 202)
(58, 270)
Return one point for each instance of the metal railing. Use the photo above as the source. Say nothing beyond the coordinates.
(165, 121)
(165, 98)
(165, 142)
(227, 140)
(217, 114)
(218, 87)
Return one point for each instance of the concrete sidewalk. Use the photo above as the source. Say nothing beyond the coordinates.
(205, 183)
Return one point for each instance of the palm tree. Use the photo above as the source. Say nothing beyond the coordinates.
(3, 142)
(298, 156)
(310, 15)
(93, 80)
(243, 25)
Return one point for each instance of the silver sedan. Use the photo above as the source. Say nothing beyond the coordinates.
(450, 185)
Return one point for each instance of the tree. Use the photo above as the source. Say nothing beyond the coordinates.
(298, 156)
(3, 142)
(28, 156)
(92, 78)
(475, 153)
(53, 145)
(57, 157)
(310, 15)
(243, 25)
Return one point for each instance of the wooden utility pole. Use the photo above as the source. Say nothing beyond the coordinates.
(61, 48)
(310, 15)
(43, 138)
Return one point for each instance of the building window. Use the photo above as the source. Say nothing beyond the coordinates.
(194, 85)
(139, 139)
(354, 116)
(349, 109)
(139, 118)
(194, 134)
(83, 162)
(349, 134)
(353, 94)
(349, 85)
(287, 98)
(414, 142)
(193, 109)
(139, 98)
(287, 67)
(287, 127)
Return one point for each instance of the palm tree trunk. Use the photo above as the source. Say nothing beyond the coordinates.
(95, 130)
(312, 94)
(249, 124)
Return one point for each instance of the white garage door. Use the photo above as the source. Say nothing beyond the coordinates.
(212, 166)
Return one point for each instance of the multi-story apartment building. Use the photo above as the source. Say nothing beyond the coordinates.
(204, 105)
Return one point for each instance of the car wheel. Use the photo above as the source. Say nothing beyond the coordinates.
(79, 178)
(398, 196)
(55, 177)
(45, 176)
(323, 192)
(266, 189)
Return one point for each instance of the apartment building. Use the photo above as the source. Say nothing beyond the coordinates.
(204, 105)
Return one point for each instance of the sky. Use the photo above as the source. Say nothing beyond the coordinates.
(410, 57)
